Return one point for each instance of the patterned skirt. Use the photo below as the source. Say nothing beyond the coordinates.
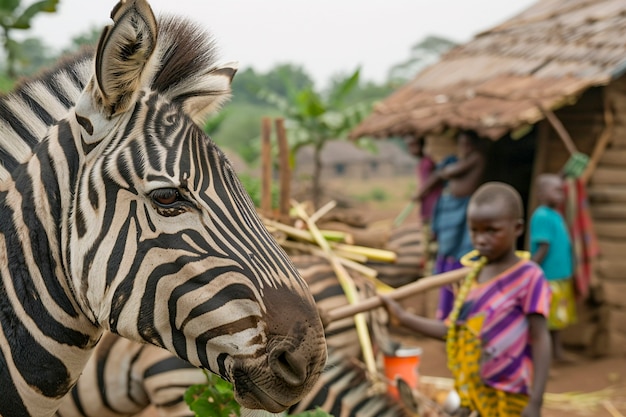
(475, 395)
(562, 305)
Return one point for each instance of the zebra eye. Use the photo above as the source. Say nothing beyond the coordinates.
(166, 197)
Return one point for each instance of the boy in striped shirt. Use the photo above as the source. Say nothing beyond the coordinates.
(496, 335)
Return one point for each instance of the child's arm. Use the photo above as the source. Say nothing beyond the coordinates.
(541, 351)
(542, 251)
(463, 165)
(428, 327)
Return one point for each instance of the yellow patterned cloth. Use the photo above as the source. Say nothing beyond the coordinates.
(563, 304)
(464, 363)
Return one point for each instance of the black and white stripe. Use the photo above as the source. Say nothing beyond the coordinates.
(118, 213)
(124, 378)
(408, 243)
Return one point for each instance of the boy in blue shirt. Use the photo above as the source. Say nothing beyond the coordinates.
(551, 248)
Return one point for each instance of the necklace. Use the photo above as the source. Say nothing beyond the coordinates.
(477, 262)
(472, 258)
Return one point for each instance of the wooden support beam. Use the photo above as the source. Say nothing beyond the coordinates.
(602, 142)
(560, 129)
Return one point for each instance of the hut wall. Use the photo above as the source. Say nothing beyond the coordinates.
(607, 194)
(598, 331)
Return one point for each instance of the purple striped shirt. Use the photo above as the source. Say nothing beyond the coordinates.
(505, 302)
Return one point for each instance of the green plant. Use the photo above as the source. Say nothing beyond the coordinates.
(216, 399)
(313, 118)
(15, 16)
(253, 187)
(378, 194)
(213, 399)
(375, 194)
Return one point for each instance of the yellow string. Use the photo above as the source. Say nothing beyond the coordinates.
(473, 257)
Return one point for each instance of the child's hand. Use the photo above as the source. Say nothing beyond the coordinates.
(393, 308)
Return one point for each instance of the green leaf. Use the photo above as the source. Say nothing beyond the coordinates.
(310, 104)
(341, 91)
(213, 399)
(8, 6)
(44, 6)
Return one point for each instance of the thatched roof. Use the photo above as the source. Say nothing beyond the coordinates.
(548, 55)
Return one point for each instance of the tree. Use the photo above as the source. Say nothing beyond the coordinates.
(424, 53)
(32, 55)
(313, 119)
(368, 91)
(14, 17)
(248, 83)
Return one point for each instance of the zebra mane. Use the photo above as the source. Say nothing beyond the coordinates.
(185, 53)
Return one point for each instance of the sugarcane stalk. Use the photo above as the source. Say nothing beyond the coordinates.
(349, 289)
(364, 270)
(321, 212)
(372, 254)
(350, 255)
(404, 213)
(333, 235)
(355, 252)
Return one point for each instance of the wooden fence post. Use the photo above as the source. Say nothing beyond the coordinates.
(284, 169)
(266, 166)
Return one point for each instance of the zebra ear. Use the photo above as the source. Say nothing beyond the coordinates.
(209, 92)
(123, 52)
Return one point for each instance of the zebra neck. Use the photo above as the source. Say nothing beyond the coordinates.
(45, 337)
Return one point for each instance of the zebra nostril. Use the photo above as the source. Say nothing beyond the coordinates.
(289, 366)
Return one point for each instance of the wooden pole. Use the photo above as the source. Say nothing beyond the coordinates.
(266, 166)
(602, 142)
(424, 284)
(560, 130)
(284, 169)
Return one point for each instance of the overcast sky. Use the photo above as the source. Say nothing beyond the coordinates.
(326, 37)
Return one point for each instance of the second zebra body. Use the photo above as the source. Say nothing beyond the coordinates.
(125, 378)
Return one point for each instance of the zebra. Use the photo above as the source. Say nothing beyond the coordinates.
(124, 378)
(345, 390)
(407, 241)
(119, 214)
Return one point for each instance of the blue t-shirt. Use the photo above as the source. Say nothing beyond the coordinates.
(548, 226)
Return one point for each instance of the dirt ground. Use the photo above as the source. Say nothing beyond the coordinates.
(605, 378)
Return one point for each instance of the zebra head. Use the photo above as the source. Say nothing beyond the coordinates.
(159, 241)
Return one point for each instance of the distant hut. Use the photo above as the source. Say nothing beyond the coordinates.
(559, 57)
(343, 159)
